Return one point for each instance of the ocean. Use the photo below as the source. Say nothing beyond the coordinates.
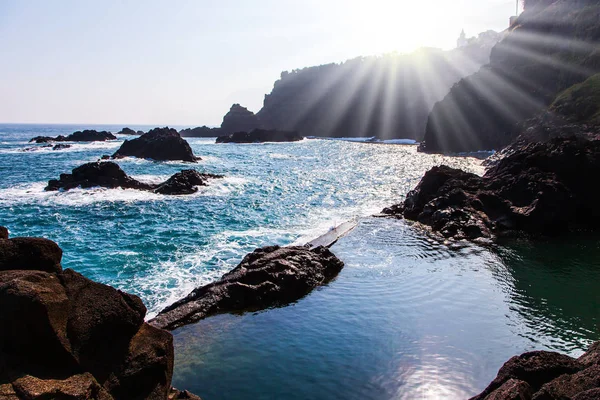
(408, 317)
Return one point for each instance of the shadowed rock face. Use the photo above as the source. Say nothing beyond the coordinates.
(64, 336)
(161, 144)
(543, 375)
(201, 131)
(259, 136)
(28, 253)
(267, 277)
(539, 188)
(110, 175)
(79, 136)
(239, 119)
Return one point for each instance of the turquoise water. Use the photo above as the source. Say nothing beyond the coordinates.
(407, 317)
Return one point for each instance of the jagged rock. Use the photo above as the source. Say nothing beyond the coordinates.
(184, 182)
(64, 336)
(28, 253)
(61, 146)
(129, 131)
(259, 136)
(110, 175)
(79, 136)
(268, 277)
(535, 368)
(239, 119)
(103, 174)
(161, 144)
(592, 356)
(201, 131)
(540, 188)
(567, 386)
(512, 389)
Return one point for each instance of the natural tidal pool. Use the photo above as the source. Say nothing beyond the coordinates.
(408, 317)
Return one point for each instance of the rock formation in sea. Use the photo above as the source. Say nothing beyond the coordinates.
(161, 144)
(538, 188)
(550, 48)
(109, 175)
(79, 136)
(201, 131)
(544, 375)
(268, 277)
(129, 131)
(260, 136)
(239, 119)
(64, 336)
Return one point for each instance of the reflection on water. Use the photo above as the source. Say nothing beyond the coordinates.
(406, 318)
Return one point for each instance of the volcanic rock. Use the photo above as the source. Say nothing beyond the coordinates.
(259, 136)
(540, 188)
(268, 277)
(239, 119)
(79, 136)
(161, 144)
(28, 253)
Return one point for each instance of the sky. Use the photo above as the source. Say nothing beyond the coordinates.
(185, 62)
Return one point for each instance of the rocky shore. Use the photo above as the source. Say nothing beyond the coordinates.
(268, 277)
(79, 136)
(109, 175)
(161, 144)
(260, 136)
(64, 336)
(538, 188)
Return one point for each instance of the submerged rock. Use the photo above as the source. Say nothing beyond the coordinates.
(161, 144)
(268, 277)
(109, 175)
(61, 146)
(79, 136)
(540, 188)
(259, 136)
(544, 375)
(64, 336)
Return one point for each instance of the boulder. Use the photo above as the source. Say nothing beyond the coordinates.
(539, 188)
(161, 144)
(184, 182)
(239, 119)
(29, 254)
(260, 136)
(567, 386)
(79, 136)
(268, 277)
(110, 175)
(64, 336)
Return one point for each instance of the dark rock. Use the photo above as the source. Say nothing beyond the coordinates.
(201, 131)
(512, 389)
(103, 174)
(593, 394)
(592, 356)
(184, 182)
(161, 144)
(79, 136)
(29, 254)
(128, 131)
(61, 146)
(105, 157)
(259, 136)
(110, 175)
(267, 277)
(535, 368)
(3, 233)
(64, 336)
(239, 119)
(567, 386)
(540, 188)
(181, 395)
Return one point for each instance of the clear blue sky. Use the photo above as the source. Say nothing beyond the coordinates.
(184, 62)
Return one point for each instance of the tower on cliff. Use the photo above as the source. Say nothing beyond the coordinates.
(462, 40)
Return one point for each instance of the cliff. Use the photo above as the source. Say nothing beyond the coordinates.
(386, 96)
(550, 48)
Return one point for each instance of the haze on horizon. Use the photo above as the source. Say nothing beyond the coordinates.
(186, 62)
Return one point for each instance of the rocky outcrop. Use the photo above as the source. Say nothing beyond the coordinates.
(109, 175)
(268, 277)
(64, 336)
(541, 188)
(61, 146)
(161, 144)
(129, 131)
(79, 136)
(201, 131)
(28, 253)
(260, 136)
(549, 49)
(239, 119)
(543, 375)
